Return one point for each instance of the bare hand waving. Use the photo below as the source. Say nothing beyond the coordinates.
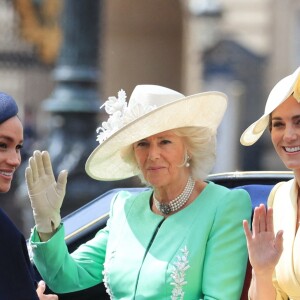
(263, 246)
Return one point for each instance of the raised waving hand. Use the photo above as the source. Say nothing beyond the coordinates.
(45, 193)
(264, 248)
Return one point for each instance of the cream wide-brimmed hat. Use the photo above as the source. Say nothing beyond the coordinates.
(151, 109)
(282, 90)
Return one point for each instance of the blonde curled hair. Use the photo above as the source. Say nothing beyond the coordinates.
(200, 143)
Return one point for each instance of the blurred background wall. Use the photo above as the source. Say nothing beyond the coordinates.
(61, 59)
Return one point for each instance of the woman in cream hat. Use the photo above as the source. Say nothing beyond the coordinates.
(274, 245)
(182, 237)
(17, 278)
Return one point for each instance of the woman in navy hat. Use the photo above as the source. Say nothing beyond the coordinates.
(17, 280)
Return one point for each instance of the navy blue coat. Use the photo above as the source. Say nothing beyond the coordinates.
(17, 277)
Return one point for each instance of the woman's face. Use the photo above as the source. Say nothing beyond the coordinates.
(160, 158)
(285, 132)
(11, 139)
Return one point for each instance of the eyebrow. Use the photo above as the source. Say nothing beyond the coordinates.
(9, 139)
(293, 118)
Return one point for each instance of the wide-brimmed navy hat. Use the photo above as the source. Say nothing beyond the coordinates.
(8, 107)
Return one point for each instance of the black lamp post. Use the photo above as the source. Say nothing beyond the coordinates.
(74, 103)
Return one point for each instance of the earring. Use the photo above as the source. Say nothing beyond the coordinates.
(187, 164)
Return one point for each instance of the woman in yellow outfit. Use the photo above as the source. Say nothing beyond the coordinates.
(274, 244)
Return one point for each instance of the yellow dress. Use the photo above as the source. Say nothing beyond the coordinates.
(286, 278)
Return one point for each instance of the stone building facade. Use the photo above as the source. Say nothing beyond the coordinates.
(240, 47)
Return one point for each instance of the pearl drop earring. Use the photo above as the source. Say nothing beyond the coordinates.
(187, 164)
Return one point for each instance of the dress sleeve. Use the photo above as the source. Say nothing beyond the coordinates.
(64, 272)
(272, 193)
(226, 259)
(280, 294)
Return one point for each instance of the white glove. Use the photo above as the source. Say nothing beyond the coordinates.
(46, 195)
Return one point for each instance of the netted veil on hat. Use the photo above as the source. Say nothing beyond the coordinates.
(151, 109)
(286, 87)
(8, 107)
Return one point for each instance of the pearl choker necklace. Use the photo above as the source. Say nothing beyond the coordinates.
(178, 202)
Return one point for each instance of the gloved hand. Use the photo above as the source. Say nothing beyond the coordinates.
(46, 195)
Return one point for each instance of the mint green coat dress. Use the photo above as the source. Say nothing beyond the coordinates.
(198, 253)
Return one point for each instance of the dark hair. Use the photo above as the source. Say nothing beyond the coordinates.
(270, 122)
